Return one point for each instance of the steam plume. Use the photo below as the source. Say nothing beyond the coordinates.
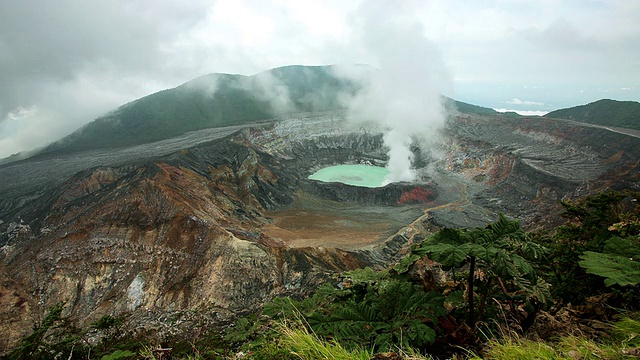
(403, 95)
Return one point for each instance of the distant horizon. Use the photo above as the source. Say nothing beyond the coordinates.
(541, 99)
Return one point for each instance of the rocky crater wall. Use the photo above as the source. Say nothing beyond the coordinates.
(181, 233)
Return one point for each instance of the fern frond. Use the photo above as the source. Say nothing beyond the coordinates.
(406, 263)
(531, 250)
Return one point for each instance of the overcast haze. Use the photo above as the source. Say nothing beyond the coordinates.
(65, 62)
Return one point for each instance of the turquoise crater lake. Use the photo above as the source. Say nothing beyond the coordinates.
(357, 175)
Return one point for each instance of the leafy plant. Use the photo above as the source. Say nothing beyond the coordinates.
(498, 253)
(371, 309)
(619, 263)
(592, 226)
(398, 313)
(119, 354)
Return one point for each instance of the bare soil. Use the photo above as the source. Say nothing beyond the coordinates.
(349, 226)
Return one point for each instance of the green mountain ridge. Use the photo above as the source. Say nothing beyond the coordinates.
(605, 112)
(217, 100)
(213, 100)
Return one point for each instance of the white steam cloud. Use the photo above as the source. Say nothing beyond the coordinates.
(404, 94)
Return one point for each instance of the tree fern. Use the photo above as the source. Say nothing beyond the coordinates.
(449, 255)
(503, 228)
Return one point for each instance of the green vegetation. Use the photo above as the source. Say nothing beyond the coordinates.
(170, 113)
(604, 112)
(568, 347)
(369, 309)
(597, 228)
(501, 253)
(622, 344)
(452, 296)
(306, 345)
(619, 263)
(45, 340)
(119, 354)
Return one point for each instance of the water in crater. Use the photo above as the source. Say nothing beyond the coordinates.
(356, 175)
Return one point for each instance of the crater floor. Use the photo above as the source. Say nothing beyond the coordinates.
(315, 222)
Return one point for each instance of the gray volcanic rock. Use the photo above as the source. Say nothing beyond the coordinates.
(528, 164)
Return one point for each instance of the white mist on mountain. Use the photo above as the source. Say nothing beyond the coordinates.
(403, 94)
(265, 86)
(206, 84)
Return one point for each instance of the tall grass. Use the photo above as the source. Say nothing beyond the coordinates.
(623, 346)
(627, 330)
(306, 345)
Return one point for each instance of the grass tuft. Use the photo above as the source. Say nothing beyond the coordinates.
(627, 330)
(511, 346)
(306, 345)
(517, 348)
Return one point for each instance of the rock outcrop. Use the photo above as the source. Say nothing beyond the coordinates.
(181, 233)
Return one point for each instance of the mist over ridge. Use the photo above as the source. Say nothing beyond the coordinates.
(209, 101)
(216, 100)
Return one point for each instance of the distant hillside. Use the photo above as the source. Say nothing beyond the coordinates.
(213, 100)
(217, 100)
(475, 109)
(606, 112)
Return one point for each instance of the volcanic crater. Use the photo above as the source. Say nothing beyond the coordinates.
(216, 222)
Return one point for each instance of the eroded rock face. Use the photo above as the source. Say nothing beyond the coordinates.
(182, 233)
(526, 165)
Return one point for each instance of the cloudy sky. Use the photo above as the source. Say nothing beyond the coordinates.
(65, 62)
